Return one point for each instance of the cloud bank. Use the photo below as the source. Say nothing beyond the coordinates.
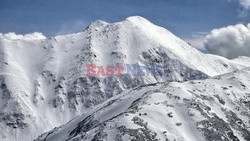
(30, 36)
(230, 42)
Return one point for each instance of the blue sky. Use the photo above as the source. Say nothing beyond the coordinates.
(182, 17)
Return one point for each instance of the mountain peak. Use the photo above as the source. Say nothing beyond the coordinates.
(97, 23)
(136, 19)
(140, 21)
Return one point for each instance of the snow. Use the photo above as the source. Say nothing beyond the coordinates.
(156, 102)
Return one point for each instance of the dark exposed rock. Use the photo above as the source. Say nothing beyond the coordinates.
(15, 120)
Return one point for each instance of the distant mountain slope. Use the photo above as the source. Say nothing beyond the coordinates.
(43, 81)
(213, 109)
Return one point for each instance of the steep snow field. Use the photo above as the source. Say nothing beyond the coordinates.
(213, 109)
(43, 82)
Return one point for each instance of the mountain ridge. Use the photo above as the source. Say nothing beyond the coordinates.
(194, 110)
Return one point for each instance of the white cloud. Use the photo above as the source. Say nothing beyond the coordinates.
(245, 3)
(30, 36)
(230, 42)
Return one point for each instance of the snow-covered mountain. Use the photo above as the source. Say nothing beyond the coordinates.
(215, 109)
(43, 82)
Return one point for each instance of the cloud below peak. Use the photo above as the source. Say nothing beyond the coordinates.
(30, 36)
(231, 41)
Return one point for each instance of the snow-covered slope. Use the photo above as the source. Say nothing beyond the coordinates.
(43, 81)
(215, 109)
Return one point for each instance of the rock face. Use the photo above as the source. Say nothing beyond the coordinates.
(43, 82)
(201, 110)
